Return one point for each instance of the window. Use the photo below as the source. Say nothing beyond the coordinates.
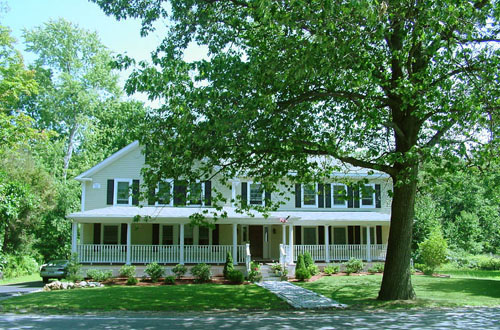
(195, 193)
(367, 196)
(373, 238)
(339, 234)
(123, 194)
(188, 235)
(168, 235)
(339, 195)
(164, 193)
(310, 236)
(110, 234)
(309, 195)
(203, 235)
(256, 193)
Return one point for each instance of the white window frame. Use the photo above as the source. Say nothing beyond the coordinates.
(250, 195)
(118, 240)
(361, 206)
(303, 236)
(188, 194)
(332, 191)
(157, 189)
(315, 197)
(115, 193)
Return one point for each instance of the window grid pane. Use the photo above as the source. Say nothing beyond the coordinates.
(122, 193)
(164, 193)
(339, 195)
(168, 235)
(255, 194)
(310, 194)
(309, 236)
(110, 235)
(195, 193)
(367, 196)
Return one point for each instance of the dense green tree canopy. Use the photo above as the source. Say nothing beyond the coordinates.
(377, 84)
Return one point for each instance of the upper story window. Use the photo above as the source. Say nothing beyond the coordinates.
(309, 195)
(123, 195)
(256, 193)
(164, 193)
(195, 193)
(339, 195)
(367, 196)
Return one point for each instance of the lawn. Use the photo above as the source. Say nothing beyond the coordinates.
(361, 291)
(21, 279)
(195, 297)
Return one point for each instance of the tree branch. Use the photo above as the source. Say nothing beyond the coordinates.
(439, 134)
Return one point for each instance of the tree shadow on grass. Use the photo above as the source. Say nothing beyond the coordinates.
(468, 287)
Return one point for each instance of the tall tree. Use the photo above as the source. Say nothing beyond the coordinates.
(378, 84)
(79, 75)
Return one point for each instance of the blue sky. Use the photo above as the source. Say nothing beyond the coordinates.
(118, 36)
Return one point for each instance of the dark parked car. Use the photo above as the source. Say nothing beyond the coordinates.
(54, 269)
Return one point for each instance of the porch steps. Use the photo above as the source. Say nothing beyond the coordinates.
(268, 274)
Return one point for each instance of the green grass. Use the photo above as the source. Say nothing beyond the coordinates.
(196, 297)
(361, 291)
(21, 279)
(470, 273)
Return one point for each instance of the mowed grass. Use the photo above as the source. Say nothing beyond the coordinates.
(21, 279)
(470, 273)
(362, 291)
(195, 297)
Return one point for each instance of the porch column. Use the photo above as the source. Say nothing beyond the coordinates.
(235, 246)
(283, 231)
(181, 244)
(327, 243)
(129, 240)
(74, 235)
(290, 243)
(368, 245)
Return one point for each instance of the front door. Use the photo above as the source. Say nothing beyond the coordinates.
(256, 241)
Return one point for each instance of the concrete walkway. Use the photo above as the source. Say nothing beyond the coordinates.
(298, 297)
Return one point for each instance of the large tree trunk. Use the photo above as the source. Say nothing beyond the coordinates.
(396, 283)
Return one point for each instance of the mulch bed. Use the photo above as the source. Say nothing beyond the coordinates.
(185, 280)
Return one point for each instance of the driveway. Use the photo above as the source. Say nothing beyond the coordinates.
(10, 290)
(479, 318)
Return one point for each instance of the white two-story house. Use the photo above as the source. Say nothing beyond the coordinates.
(115, 227)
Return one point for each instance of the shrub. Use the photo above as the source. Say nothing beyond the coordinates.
(301, 272)
(169, 279)
(432, 251)
(154, 271)
(276, 268)
(254, 275)
(228, 266)
(15, 266)
(354, 266)
(487, 263)
(99, 275)
(376, 268)
(313, 269)
(132, 281)
(202, 273)
(235, 276)
(179, 270)
(127, 271)
(331, 269)
(308, 260)
(73, 269)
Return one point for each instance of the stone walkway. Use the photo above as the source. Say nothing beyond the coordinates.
(298, 297)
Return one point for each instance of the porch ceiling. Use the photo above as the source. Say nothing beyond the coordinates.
(182, 214)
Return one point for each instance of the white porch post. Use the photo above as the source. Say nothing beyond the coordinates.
(290, 244)
(74, 235)
(368, 245)
(235, 246)
(283, 231)
(129, 240)
(327, 243)
(181, 243)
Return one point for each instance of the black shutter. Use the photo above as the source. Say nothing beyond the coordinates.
(350, 234)
(215, 235)
(180, 190)
(350, 202)
(378, 200)
(135, 192)
(97, 233)
(328, 195)
(356, 197)
(321, 235)
(321, 195)
(111, 192)
(267, 197)
(123, 238)
(151, 194)
(298, 195)
(156, 234)
(357, 235)
(244, 194)
(379, 234)
(208, 193)
(298, 235)
(330, 235)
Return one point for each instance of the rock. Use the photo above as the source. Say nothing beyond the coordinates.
(83, 284)
(91, 285)
(64, 285)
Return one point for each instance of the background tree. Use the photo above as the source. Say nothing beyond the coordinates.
(381, 85)
(78, 67)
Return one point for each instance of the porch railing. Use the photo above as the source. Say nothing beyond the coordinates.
(342, 252)
(112, 253)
